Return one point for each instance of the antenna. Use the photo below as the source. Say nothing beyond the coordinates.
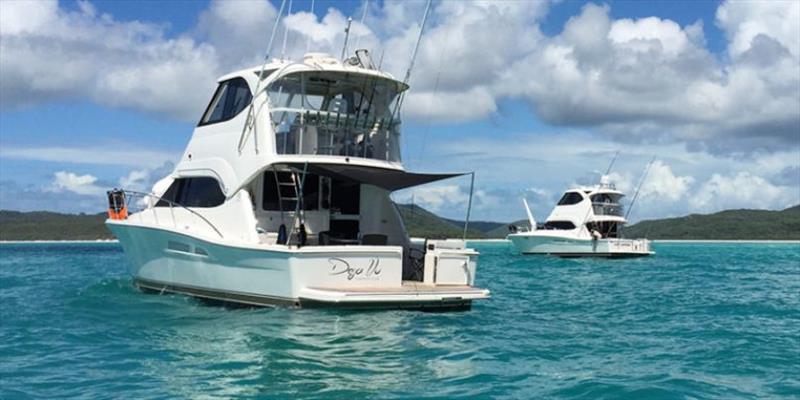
(286, 32)
(249, 120)
(308, 40)
(363, 17)
(346, 36)
(641, 181)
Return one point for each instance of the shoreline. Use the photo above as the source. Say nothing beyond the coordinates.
(698, 241)
(58, 241)
(732, 241)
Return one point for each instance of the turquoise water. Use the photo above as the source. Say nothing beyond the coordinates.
(695, 321)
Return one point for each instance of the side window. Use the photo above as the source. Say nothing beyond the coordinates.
(231, 97)
(559, 225)
(570, 198)
(201, 192)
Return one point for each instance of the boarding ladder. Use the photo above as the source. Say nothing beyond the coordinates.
(288, 191)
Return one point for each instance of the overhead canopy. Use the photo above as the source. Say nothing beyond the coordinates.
(389, 179)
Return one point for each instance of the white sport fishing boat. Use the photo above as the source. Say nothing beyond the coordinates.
(282, 198)
(587, 222)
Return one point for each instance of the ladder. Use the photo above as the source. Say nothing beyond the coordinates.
(288, 191)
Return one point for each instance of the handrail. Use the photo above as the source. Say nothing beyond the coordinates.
(171, 204)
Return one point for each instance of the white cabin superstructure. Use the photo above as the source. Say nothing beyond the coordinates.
(282, 196)
(587, 221)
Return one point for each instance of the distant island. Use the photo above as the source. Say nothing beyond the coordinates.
(724, 225)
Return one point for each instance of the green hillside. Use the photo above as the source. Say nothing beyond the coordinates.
(423, 223)
(45, 225)
(724, 225)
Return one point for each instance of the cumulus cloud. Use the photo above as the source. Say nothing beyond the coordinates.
(78, 184)
(142, 180)
(646, 79)
(49, 53)
(451, 200)
(129, 156)
(742, 190)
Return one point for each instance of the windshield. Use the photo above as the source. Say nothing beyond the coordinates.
(336, 113)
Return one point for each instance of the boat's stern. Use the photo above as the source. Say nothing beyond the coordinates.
(442, 277)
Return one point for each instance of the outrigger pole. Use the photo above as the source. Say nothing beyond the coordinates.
(346, 36)
(469, 205)
(641, 181)
(249, 120)
(608, 170)
(411, 64)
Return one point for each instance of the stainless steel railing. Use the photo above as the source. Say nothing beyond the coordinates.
(132, 194)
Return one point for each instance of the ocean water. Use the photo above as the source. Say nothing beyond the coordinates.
(696, 321)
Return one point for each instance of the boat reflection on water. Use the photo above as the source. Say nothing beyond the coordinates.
(284, 352)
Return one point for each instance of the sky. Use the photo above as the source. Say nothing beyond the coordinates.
(534, 97)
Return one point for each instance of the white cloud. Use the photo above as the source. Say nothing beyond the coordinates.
(663, 184)
(49, 53)
(110, 155)
(142, 180)
(742, 190)
(78, 184)
(647, 79)
(744, 20)
(450, 199)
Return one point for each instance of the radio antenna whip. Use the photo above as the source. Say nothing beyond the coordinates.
(249, 121)
(641, 181)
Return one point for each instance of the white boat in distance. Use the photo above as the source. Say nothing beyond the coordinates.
(586, 222)
(282, 198)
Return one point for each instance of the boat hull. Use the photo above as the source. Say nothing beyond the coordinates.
(167, 260)
(570, 247)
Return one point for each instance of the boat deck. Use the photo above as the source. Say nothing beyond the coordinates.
(411, 294)
(407, 287)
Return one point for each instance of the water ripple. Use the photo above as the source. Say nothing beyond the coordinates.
(695, 321)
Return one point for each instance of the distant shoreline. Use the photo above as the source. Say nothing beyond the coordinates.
(698, 241)
(764, 241)
(742, 241)
(58, 241)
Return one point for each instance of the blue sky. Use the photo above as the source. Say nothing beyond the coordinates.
(533, 96)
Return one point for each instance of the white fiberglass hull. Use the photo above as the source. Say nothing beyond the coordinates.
(530, 243)
(167, 260)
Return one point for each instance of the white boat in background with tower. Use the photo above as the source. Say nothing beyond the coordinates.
(588, 221)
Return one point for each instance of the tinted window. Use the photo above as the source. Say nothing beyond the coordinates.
(602, 198)
(559, 225)
(570, 198)
(193, 192)
(231, 97)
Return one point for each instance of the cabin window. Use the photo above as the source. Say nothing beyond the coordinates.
(202, 192)
(570, 198)
(231, 97)
(559, 225)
